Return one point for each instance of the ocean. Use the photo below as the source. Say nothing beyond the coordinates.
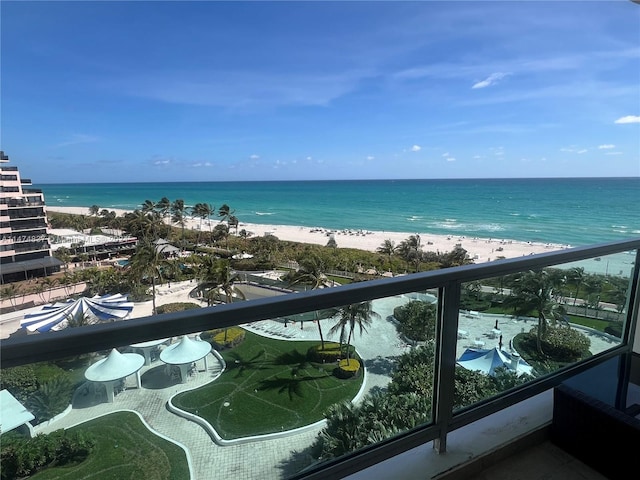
(569, 211)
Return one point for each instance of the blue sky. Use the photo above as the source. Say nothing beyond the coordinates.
(216, 91)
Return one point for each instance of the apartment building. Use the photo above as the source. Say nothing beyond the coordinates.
(25, 251)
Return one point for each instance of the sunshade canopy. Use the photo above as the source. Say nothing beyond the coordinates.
(116, 366)
(185, 351)
(486, 361)
(56, 316)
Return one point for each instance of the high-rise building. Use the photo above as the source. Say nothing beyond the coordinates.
(25, 251)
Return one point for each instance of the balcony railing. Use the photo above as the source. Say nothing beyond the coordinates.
(447, 286)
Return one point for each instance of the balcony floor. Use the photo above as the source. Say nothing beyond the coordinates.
(543, 461)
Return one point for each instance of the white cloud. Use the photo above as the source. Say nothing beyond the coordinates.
(490, 80)
(162, 162)
(613, 153)
(77, 138)
(477, 157)
(446, 154)
(370, 157)
(451, 159)
(629, 119)
(606, 146)
(584, 150)
(309, 158)
(416, 148)
(254, 157)
(200, 164)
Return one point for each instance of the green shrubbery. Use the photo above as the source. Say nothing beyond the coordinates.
(416, 320)
(347, 368)
(560, 344)
(176, 307)
(222, 338)
(330, 353)
(23, 457)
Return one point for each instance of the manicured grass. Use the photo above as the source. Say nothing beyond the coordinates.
(125, 448)
(268, 387)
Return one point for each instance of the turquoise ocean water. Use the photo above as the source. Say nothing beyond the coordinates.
(577, 211)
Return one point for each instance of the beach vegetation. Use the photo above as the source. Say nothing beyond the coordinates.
(265, 371)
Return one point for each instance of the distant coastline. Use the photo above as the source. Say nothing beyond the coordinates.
(594, 210)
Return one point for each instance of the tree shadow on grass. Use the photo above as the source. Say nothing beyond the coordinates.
(296, 360)
(240, 365)
(291, 386)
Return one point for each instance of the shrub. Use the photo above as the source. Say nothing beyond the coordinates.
(51, 398)
(222, 338)
(347, 368)
(329, 354)
(21, 457)
(416, 320)
(562, 344)
(176, 307)
(20, 381)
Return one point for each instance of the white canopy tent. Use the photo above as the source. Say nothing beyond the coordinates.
(184, 353)
(114, 367)
(96, 309)
(486, 361)
(13, 413)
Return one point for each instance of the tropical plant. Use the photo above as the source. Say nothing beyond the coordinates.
(356, 314)
(533, 291)
(149, 263)
(178, 215)
(388, 248)
(416, 320)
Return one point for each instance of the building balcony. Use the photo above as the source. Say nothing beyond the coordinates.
(452, 438)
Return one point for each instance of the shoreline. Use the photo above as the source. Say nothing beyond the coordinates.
(478, 249)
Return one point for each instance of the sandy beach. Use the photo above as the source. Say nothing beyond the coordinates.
(479, 249)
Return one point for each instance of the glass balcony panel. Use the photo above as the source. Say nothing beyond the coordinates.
(269, 380)
(579, 308)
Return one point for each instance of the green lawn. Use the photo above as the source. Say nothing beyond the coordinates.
(268, 387)
(125, 448)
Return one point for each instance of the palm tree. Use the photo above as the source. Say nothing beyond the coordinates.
(216, 280)
(576, 276)
(197, 211)
(356, 314)
(177, 215)
(534, 291)
(388, 248)
(311, 272)
(410, 250)
(163, 207)
(93, 210)
(148, 262)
